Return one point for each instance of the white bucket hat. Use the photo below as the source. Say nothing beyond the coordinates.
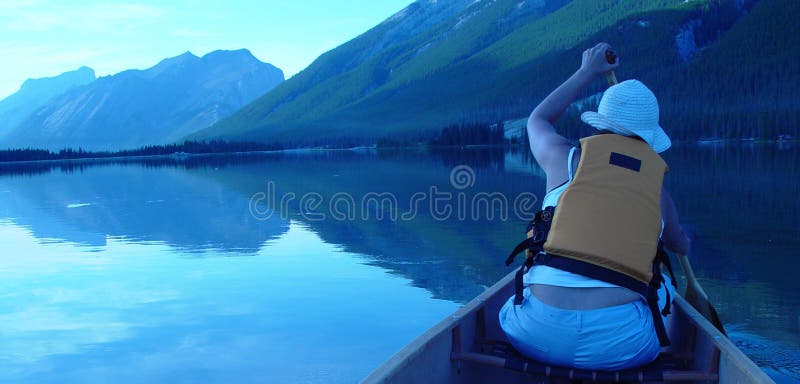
(630, 109)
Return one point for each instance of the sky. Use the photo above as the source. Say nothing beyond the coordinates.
(43, 38)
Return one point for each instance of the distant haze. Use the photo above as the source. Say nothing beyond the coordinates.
(48, 37)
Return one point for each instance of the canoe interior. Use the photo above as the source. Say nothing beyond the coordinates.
(428, 358)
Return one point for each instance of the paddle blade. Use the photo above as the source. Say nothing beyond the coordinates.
(713, 317)
(696, 296)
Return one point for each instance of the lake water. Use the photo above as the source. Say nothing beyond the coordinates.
(316, 267)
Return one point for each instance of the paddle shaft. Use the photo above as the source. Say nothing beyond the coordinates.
(611, 58)
(697, 297)
(694, 294)
(691, 280)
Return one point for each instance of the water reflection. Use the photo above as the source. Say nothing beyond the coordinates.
(740, 204)
(148, 313)
(87, 203)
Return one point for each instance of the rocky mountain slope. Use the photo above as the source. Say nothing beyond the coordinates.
(159, 105)
(34, 93)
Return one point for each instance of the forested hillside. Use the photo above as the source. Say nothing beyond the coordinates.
(744, 85)
(721, 69)
(747, 84)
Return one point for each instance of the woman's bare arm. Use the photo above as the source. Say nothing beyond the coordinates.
(674, 238)
(548, 147)
(542, 135)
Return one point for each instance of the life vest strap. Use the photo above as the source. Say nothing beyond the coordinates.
(663, 258)
(592, 271)
(524, 245)
(648, 291)
(537, 232)
(519, 287)
(538, 229)
(658, 321)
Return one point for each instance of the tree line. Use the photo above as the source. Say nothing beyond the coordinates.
(187, 147)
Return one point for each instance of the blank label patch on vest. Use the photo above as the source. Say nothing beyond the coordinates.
(625, 161)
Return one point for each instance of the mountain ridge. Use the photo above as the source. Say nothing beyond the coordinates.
(157, 105)
(34, 93)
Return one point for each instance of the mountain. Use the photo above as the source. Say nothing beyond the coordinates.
(159, 105)
(417, 43)
(35, 93)
(487, 61)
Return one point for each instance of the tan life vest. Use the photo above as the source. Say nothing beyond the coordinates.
(610, 214)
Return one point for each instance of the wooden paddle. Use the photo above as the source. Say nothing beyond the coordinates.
(696, 296)
(611, 58)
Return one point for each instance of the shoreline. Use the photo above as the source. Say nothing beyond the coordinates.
(174, 156)
(750, 140)
(372, 148)
(185, 155)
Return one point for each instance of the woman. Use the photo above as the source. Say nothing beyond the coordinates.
(566, 318)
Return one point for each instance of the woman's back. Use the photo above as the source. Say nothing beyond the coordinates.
(566, 317)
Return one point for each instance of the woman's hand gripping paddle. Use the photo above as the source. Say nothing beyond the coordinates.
(611, 58)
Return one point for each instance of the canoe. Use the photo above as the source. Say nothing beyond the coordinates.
(453, 351)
